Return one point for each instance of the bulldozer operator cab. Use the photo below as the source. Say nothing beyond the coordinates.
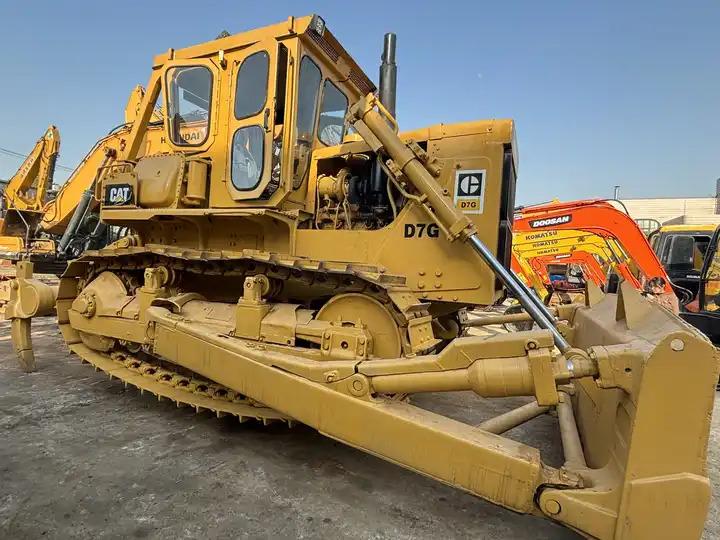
(244, 112)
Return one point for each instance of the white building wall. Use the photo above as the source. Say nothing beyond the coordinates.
(675, 211)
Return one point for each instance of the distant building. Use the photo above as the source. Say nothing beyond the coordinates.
(650, 213)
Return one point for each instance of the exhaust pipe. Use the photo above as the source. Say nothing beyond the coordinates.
(387, 95)
(388, 74)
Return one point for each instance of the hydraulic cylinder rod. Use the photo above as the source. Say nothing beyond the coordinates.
(76, 220)
(572, 447)
(487, 377)
(511, 419)
(500, 318)
(539, 314)
(82, 207)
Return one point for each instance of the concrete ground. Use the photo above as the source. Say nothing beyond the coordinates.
(81, 457)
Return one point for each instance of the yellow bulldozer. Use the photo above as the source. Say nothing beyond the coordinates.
(294, 257)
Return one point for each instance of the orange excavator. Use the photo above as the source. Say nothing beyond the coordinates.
(568, 265)
(592, 235)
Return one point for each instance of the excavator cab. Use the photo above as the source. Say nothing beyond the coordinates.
(681, 249)
(704, 311)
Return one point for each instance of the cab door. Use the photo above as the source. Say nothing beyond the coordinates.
(253, 156)
(191, 95)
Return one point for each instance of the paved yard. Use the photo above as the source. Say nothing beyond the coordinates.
(82, 457)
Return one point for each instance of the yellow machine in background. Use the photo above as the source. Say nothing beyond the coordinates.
(281, 269)
(24, 197)
(681, 250)
(49, 232)
(527, 247)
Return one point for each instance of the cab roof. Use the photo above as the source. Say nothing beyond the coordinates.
(308, 26)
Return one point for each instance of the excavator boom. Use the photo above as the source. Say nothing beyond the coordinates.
(51, 232)
(24, 196)
(594, 226)
(27, 188)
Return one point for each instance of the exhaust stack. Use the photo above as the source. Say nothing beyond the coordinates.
(388, 74)
(387, 94)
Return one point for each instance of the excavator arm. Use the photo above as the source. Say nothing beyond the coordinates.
(78, 189)
(600, 218)
(27, 188)
(533, 250)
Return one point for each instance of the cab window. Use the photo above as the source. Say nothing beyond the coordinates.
(248, 147)
(189, 96)
(251, 88)
(680, 253)
(307, 98)
(308, 88)
(711, 282)
(665, 249)
(331, 126)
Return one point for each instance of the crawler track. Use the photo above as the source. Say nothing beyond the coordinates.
(185, 390)
(168, 381)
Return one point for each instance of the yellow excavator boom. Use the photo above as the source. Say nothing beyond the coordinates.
(57, 212)
(27, 189)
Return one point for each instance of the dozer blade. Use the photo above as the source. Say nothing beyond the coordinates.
(635, 457)
(643, 422)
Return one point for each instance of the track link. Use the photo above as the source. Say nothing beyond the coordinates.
(183, 390)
